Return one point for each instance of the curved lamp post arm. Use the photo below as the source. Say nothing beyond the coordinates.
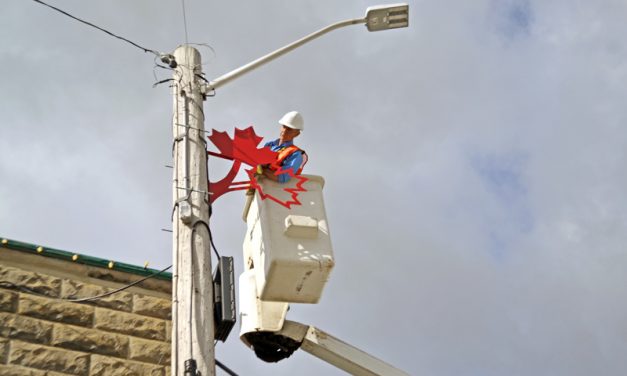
(228, 77)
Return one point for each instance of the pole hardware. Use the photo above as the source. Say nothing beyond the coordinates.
(225, 314)
(169, 60)
(191, 368)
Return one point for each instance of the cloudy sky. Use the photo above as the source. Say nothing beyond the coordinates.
(474, 165)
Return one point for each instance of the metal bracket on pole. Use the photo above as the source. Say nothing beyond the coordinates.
(185, 212)
(207, 90)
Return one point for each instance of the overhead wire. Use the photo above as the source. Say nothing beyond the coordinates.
(154, 73)
(119, 289)
(185, 22)
(98, 27)
(90, 298)
(213, 51)
(194, 128)
(157, 82)
(7, 284)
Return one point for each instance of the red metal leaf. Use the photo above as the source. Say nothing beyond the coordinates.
(293, 191)
(243, 149)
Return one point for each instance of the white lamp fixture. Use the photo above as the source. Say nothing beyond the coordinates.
(385, 17)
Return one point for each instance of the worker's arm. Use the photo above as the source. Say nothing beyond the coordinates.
(270, 174)
(293, 163)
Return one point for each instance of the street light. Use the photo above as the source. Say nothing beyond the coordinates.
(191, 312)
(380, 17)
(385, 17)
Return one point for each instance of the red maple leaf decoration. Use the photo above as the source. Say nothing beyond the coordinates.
(293, 192)
(243, 149)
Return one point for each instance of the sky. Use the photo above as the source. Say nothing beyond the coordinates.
(474, 165)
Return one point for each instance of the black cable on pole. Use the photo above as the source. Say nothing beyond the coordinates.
(225, 368)
(201, 222)
(97, 27)
(213, 245)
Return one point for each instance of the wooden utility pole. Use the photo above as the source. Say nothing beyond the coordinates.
(192, 284)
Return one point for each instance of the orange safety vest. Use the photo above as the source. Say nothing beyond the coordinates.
(286, 152)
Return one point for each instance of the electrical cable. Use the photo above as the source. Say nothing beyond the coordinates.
(220, 364)
(98, 27)
(154, 74)
(191, 294)
(194, 128)
(185, 22)
(8, 284)
(213, 51)
(212, 244)
(119, 289)
(162, 82)
(175, 275)
(11, 285)
(201, 77)
(225, 368)
(201, 222)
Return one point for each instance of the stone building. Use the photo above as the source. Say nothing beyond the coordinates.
(42, 333)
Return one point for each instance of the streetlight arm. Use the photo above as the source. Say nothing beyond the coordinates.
(228, 77)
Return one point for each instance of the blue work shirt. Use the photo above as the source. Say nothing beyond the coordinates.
(293, 161)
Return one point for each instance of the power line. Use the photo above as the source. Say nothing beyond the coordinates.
(98, 27)
(119, 289)
(8, 284)
(185, 21)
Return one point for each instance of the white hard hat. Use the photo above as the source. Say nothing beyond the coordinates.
(293, 120)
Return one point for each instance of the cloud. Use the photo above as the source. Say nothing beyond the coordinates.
(513, 18)
(474, 166)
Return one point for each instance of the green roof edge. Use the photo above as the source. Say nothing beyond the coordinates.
(82, 259)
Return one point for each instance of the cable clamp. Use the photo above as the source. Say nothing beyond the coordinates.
(207, 90)
(169, 60)
(191, 369)
(185, 212)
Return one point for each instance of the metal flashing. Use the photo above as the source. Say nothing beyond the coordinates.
(78, 258)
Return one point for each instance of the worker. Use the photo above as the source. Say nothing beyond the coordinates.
(290, 158)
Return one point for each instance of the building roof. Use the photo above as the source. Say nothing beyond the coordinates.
(82, 259)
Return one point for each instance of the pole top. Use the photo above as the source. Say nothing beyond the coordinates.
(188, 56)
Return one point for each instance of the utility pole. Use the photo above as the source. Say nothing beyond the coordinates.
(192, 284)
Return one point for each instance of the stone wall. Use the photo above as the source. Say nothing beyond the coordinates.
(125, 334)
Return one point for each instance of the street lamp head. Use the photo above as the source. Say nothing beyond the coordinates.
(385, 17)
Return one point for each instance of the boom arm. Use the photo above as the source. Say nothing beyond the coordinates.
(337, 352)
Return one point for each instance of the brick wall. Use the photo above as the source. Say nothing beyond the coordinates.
(125, 334)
